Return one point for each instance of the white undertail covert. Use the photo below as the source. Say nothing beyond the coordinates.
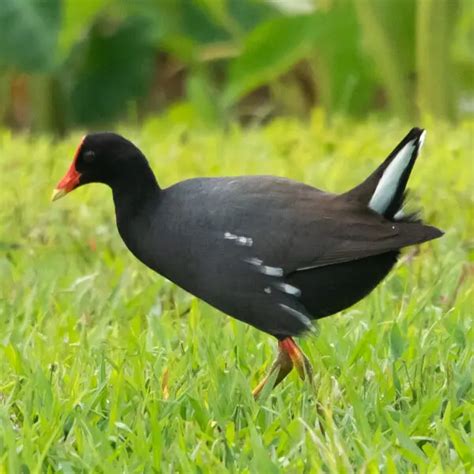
(388, 184)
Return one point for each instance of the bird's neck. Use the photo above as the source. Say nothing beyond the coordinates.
(134, 192)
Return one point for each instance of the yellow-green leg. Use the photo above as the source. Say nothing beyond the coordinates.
(289, 356)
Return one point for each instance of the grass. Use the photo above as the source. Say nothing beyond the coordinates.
(105, 367)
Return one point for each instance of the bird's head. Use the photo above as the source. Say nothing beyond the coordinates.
(101, 158)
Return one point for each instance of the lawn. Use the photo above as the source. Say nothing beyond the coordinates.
(107, 367)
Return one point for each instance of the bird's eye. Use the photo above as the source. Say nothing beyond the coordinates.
(89, 156)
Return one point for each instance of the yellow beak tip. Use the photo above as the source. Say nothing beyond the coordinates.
(58, 193)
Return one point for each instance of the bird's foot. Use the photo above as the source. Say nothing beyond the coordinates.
(289, 355)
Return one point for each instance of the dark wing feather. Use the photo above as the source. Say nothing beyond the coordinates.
(349, 240)
(295, 226)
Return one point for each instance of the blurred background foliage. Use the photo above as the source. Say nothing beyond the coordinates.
(89, 63)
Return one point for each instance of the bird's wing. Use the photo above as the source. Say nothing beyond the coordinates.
(295, 227)
(355, 236)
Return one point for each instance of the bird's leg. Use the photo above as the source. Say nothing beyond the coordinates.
(298, 357)
(283, 364)
(289, 355)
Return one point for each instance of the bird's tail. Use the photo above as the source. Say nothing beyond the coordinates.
(384, 190)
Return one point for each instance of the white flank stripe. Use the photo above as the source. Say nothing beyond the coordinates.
(271, 271)
(289, 289)
(229, 236)
(265, 269)
(300, 316)
(239, 239)
(247, 241)
(388, 183)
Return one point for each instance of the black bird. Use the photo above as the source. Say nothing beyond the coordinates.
(271, 252)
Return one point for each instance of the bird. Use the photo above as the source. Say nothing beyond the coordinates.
(272, 252)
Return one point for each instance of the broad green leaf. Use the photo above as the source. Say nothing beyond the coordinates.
(238, 16)
(463, 55)
(187, 18)
(343, 73)
(77, 18)
(179, 27)
(28, 33)
(112, 68)
(196, 23)
(202, 95)
(331, 38)
(434, 57)
(269, 50)
(250, 13)
(391, 45)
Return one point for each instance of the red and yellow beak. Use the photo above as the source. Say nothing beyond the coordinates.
(70, 180)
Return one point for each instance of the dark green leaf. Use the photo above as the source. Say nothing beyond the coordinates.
(198, 25)
(344, 75)
(397, 343)
(269, 50)
(114, 67)
(332, 38)
(249, 13)
(28, 33)
(77, 17)
(390, 42)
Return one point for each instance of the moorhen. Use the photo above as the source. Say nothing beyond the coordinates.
(271, 252)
